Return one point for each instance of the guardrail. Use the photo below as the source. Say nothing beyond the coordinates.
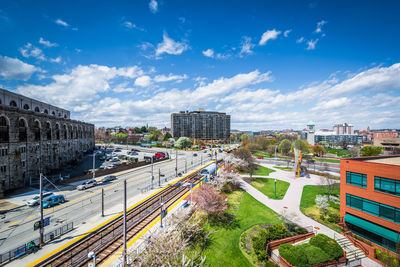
(23, 249)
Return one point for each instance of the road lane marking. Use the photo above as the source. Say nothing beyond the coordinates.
(107, 221)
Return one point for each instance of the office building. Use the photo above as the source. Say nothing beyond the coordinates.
(343, 129)
(205, 125)
(36, 137)
(370, 198)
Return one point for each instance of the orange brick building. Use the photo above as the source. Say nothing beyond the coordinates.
(370, 198)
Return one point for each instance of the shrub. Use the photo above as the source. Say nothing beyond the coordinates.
(258, 243)
(275, 232)
(328, 245)
(269, 264)
(333, 218)
(314, 254)
(294, 255)
(387, 258)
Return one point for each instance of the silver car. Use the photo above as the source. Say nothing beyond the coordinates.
(36, 199)
(87, 184)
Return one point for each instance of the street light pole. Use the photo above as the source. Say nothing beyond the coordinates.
(102, 202)
(124, 252)
(161, 205)
(152, 176)
(185, 165)
(176, 163)
(275, 188)
(41, 211)
(159, 177)
(94, 164)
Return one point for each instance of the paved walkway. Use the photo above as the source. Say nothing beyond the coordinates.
(290, 204)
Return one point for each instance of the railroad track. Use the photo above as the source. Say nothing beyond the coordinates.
(109, 238)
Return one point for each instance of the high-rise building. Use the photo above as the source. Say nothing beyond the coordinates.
(343, 129)
(370, 198)
(36, 137)
(310, 132)
(206, 125)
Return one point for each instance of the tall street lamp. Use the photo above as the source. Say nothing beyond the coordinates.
(275, 188)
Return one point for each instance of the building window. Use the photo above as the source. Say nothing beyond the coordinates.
(57, 132)
(13, 104)
(45, 111)
(37, 109)
(36, 131)
(378, 209)
(357, 179)
(22, 131)
(4, 152)
(26, 107)
(23, 163)
(48, 131)
(3, 169)
(387, 185)
(4, 136)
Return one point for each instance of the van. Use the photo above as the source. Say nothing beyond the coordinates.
(53, 201)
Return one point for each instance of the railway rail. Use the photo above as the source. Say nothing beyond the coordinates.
(109, 238)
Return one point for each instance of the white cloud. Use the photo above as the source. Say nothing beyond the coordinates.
(269, 35)
(208, 53)
(153, 5)
(15, 69)
(170, 77)
(131, 25)
(55, 60)
(46, 43)
(62, 23)
(300, 40)
(143, 81)
(319, 26)
(332, 104)
(286, 33)
(169, 46)
(311, 44)
(246, 46)
(32, 51)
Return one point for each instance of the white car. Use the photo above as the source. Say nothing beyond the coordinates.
(87, 184)
(36, 199)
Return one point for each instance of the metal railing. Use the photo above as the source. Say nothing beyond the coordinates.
(23, 249)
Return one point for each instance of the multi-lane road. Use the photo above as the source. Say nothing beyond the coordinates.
(16, 227)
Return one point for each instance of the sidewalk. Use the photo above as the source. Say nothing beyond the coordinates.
(290, 204)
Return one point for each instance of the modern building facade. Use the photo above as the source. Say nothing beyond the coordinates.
(36, 137)
(331, 138)
(205, 125)
(370, 198)
(389, 144)
(310, 133)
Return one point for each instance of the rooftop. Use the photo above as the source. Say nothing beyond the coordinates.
(390, 160)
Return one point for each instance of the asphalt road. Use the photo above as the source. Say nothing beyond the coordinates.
(16, 227)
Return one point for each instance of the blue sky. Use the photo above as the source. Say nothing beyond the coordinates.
(270, 64)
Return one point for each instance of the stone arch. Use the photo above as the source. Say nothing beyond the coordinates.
(53, 113)
(48, 130)
(4, 129)
(13, 103)
(1, 102)
(22, 130)
(65, 115)
(37, 109)
(45, 111)
(57, 131)
(36, 129)
(71, 133)
(26, 107)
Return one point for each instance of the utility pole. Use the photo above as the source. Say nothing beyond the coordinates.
(159, 177)
(152, 176)
(176, 163)
(124, 253)
(94, 164)
(41, 211)
(102, 202)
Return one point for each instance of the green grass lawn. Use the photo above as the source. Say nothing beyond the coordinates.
(309, 207)
(267, 187)
(223, 249)
(343, 153)
(260, 171)
(327, 160)
(262, 154)
(283, 168)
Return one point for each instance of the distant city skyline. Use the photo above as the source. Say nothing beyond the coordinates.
(270, 65)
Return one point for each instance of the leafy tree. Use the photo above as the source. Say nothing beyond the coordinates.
(167, 136)
(183, 142)
(143, 129)
(355, 151)
(244, 137)
(284, 146)
(253, 147)
(301, 145)
(152, 137)
(318, 150)
(324, 143)
(370, 151)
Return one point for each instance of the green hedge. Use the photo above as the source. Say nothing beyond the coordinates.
(320, 249)
(329, 245)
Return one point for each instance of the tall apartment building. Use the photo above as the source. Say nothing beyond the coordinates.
(36, 137)
(370, 198)
(343, 129)
(206, 125)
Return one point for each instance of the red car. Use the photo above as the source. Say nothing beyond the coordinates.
(159, 155)
(260, 157)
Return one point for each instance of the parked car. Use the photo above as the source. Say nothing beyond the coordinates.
(260, 157)
(36, 199)
(114, 159)
(108, 178)
(87, 184)
(53, 200)
(159, 155)
(135, 150)
(115, 164)
(194, 154)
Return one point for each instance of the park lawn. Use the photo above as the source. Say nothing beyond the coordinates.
(283, 168)
(328, 160)
(223, 249)
(262, 154)
(343, 153)
(267, 187)
(309, 208)
(260, 171)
